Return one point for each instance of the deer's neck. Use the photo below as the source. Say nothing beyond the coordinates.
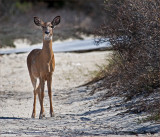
(47, 50)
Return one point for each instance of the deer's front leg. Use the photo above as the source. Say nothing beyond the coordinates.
(49, 85)
(41, 115)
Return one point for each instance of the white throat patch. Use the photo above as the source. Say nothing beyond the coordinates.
(47, 37)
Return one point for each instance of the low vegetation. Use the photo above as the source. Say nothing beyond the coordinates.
(134, 69)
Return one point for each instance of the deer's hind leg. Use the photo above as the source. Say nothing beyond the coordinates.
(34, 81)
(49, 83)
(41, 94)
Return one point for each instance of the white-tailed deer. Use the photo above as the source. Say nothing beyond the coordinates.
(41, 65)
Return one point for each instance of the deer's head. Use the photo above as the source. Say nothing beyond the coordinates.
(47, 27)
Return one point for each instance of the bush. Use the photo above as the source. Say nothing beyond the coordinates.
(134, 34)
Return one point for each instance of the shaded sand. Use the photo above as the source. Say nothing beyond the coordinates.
(77, 113)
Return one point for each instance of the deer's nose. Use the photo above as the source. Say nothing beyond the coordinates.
(47, 32)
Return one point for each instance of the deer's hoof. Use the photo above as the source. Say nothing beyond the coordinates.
(41, 115)
(52, 114)
(33, 115)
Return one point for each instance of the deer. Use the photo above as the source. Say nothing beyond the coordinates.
(41, 65)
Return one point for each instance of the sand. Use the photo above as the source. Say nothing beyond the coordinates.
(77, 113)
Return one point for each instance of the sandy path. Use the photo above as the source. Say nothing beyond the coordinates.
(77, 112)
(72, 69)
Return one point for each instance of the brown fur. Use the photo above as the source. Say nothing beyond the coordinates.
(41, 64)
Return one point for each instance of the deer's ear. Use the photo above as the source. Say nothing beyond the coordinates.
(38, 21)
(56, 21)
